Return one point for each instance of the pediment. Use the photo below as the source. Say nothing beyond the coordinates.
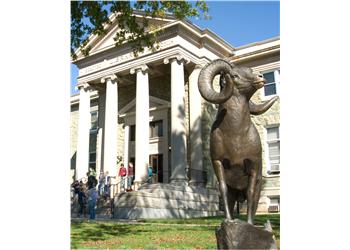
(154, 102)
(107, 41)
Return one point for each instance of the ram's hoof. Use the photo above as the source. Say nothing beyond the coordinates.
(228, 220)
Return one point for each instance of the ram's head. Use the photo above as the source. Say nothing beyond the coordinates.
(240, 80)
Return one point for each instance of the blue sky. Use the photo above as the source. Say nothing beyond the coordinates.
(238, 23)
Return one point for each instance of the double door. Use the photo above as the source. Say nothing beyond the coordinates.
(156, 161)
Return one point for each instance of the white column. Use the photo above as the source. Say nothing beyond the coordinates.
(82, 163)
(178, 130)
(126, 148)
(110, 125)
(142, 123)
(195, 101)
(101, 122)
(126, 145)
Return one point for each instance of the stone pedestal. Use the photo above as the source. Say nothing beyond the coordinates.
(241, 235)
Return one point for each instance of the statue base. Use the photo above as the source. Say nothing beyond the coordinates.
(238, 234)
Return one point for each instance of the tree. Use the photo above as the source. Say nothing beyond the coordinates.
(90, 17)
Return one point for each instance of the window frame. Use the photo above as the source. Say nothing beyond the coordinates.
(132, 133)
(92, 130)
(276, 74)
(156, 130)
(270, 172)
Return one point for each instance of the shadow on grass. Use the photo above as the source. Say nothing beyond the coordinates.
(83, 231)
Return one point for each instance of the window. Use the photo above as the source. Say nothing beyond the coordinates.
(273, 143)
(94, 120)
(274, 205)
(92, 160)
(132, 133)
(92, 149)
(156, 129)
(272, 82)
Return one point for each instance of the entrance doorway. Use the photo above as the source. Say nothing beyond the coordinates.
(156, 162)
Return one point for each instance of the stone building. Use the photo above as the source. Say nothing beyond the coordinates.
(147, 109)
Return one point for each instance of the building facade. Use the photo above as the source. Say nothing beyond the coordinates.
(147, 109)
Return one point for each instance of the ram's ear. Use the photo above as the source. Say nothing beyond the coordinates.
(258, 109)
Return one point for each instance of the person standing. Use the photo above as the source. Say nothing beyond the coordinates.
(101, 183)
(92, 200)
(130, 176)
(92, 181)
(150, 173)
(81, 201)
(107, 185)
(122, 175)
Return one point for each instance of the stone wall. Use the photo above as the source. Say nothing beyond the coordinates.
(160, 87)
(74, 120)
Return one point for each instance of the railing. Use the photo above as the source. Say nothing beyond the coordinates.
(114, 190)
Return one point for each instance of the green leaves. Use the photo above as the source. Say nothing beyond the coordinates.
(90, 17)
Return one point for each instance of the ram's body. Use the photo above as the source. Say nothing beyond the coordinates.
(235, 145)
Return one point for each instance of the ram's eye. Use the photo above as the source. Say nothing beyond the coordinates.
(235, 76)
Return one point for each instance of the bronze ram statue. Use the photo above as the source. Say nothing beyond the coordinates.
(235, 146)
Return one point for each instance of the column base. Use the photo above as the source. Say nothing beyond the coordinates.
(181, 182)
(196, 184)
(198, 178)
(137, 185)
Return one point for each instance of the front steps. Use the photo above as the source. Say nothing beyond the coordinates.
(166, 201)
(104, 209)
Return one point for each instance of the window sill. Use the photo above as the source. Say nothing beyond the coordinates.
(268, 97)
(272, 175)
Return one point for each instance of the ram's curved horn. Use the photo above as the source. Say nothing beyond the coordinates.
(258, 109)
(206, 77)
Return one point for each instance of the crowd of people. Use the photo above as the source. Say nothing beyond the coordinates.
(88, 190)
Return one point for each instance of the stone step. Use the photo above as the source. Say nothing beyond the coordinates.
(167, 201)
(188, 189)
(154, 213)
(173, 195)
(141, 199)
(103, 207)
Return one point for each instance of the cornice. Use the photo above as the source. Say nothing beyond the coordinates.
(261, 52)
(270, 40)
(160, 55)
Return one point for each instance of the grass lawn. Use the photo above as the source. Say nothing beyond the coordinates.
(155, 233)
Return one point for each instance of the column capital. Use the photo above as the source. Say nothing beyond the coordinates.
(105, 78)
(144, 68)
(199, 66)
(83, 85)
(178, 57)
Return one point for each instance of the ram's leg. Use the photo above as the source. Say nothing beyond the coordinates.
(232, 199)
(219, 171)
(257, 192)
(253, 169)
